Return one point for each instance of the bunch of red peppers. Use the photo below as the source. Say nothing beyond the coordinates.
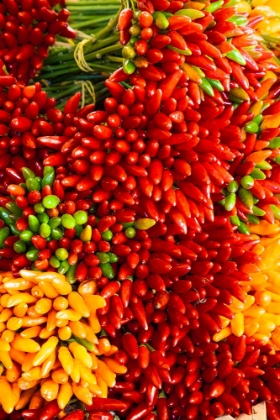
(155, 195)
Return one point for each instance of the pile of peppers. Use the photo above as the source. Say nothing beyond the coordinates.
(140, 164)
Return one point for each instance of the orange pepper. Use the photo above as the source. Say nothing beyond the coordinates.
(5, 358)
(6, 396)
(31, 332)
(78, 304)
(60, 376)
(64, 333)
(78, 329)
(13, 374)
(60, 303)
(25, 398)
(83, 394)
(43, 306)
(36, 401)
(106, 374)
(49, 390)
(48, 365)
(20, 310)
(25, 344)
(48, 289)
(33, 374)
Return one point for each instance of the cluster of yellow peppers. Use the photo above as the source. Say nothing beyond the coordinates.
(259, 315)
(48, 344)
(269, 28)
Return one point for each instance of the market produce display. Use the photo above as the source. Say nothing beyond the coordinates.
(139, 209)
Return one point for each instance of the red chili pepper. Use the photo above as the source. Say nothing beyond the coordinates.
(139, 412)
(50, 411)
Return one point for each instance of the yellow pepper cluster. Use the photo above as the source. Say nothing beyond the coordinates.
(269, 28)
(48, 344)
(259, 315)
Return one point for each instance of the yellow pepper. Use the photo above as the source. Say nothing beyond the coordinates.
(48, 365)
(48, 289)
(66, 360)
(64, 333)
(43, 306)
(25, 344)
(31, 332)
(69, 314)
(224, 333)
(64, 395)
(32, 374)
(106, 374)
(46, 350)
(5, 358)
(78, 329)
(49, 390)
(83, 394)
(81, 354)
(77, 303)
(87, 287)
(6, 396)
(60, 303)
(20, 298)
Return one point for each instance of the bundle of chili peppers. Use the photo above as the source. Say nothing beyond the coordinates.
(162, 201)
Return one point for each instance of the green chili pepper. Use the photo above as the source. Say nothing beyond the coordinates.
(129, 67)
(47, 170)
(103, 257)
(33, 223)
(54, 262)
(81, 217)
(54, 222)
(255, 200)
(251, 127)
(33, 184)
(43, 218)
(19, 247)
(4, 234)
(187, 51)
(129, 224)
(26, 235)
(50, 201)
(48, 179)
(258, 212)
(56, 234)
(5, 216)
(236, 56)
(232, 186)
(68, 221)
(107, 236)
(222, 202)
(230, 201)
(160, 20)
(45, 230)
(14, 230)
(39, 208)
(257, 174)
(61, 254)
(27, 173)
(253, 219)
(107, 270)
(85, 343)
(32, 254)
(238, 20)
(216, 84)
(70, 275)
(134, 31)
(276, 211)
(79, 230)
(130, 232)
(133, 40)
(247, 182)
(258, 119)
(242, 228)
(274, 143)
(128, 52)
(112, 257)
(63, 268)
(13, 208)
(214, 6)
(246, 197)
(206, 87)
(191, 13)
(264, 165)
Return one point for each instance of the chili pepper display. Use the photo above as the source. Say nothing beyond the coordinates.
(49, 347)
(139, 235)
(28, 29)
